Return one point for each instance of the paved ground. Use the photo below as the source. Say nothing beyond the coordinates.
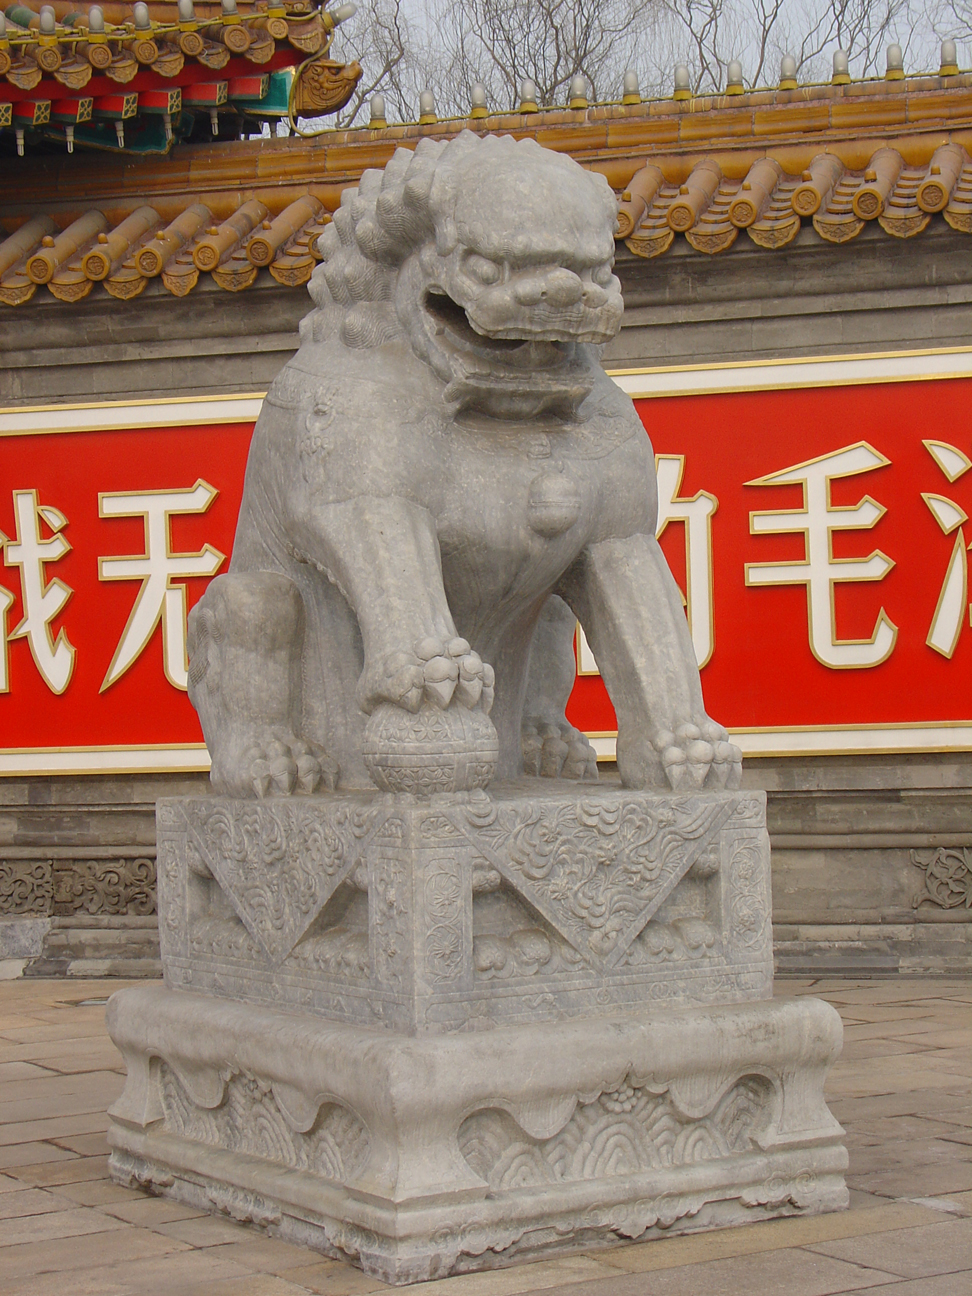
(901, 1089)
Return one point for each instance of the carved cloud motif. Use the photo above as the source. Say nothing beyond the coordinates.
(626, 1131)
(598, 870)
(278, 863)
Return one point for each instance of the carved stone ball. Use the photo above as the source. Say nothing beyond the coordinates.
(433, 750)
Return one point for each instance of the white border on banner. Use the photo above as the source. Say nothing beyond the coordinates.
(147, 758)
(844, 740)
(801, 371)
(640, 383)
(109, 416)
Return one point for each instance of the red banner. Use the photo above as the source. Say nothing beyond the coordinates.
(819, 532)
(828, 547)
(103, 530)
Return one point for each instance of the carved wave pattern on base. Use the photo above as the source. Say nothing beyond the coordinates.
(251, 1121)
(622, 1132)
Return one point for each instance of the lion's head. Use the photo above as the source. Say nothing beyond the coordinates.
(493, 257)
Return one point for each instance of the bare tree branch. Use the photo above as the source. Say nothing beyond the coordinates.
(406, 46)
(380, 38)
(707, 34)
(503, 42)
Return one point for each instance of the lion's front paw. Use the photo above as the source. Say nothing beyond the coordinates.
(435, 670)
(281, 767)
(698, 755)
(555, 749)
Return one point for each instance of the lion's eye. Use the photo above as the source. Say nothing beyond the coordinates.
(487, 272)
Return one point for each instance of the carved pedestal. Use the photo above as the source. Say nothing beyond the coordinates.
(468, 910)
(437, 1035)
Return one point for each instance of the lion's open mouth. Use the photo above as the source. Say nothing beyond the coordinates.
(507, 377)
(516, 352)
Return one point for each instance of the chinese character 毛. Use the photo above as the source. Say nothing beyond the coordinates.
(819, 570)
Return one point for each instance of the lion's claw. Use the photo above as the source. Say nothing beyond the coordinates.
(469, 688)
(698, 755)
(436, 670)
(441, 678)
(555, 749)
(725, 758)
(284, 766)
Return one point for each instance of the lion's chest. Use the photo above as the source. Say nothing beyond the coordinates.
(512, 504)
(515, 502)
(513, 515)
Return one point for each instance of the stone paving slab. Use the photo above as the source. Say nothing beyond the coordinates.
(903, 1091)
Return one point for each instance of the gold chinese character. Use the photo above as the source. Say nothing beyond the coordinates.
(696, 513)
(952, 601)
(43, 600)
(157, 568)
(819, 570)
(6, 603)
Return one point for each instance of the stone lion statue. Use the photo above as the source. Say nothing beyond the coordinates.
(441, 481)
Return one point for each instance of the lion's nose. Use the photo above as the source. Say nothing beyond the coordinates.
(558, 288)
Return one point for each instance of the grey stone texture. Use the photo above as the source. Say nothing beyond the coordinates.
(444, 454)
(844, 896)
(420, 1157)
(897, 1089)
(524, 905)
(446, 1022)
(810, 298)
(77, 855)
(853, 899)
(155, 345)
(441, 1033)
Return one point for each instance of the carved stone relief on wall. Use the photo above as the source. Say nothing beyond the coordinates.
(948, 876)
(61, 887)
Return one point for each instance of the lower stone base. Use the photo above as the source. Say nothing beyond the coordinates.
(80, 945)
(421, 1157)
(930, 947)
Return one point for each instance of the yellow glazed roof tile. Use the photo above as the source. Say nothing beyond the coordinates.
(702, 169)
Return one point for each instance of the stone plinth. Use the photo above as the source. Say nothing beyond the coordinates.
(447, 1034)
(417, 1157)
(468, 911)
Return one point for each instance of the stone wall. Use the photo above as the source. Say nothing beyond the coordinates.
(872, 856)
(810, 298)
(77, 873)
(872, 867)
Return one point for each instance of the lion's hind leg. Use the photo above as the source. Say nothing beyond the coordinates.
(245, 645)
(552, 747)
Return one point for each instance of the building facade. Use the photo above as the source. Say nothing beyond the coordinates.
(810, 241)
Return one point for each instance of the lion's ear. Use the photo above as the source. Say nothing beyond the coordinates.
(446, 236)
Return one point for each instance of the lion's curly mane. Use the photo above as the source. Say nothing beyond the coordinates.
(380, 223)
